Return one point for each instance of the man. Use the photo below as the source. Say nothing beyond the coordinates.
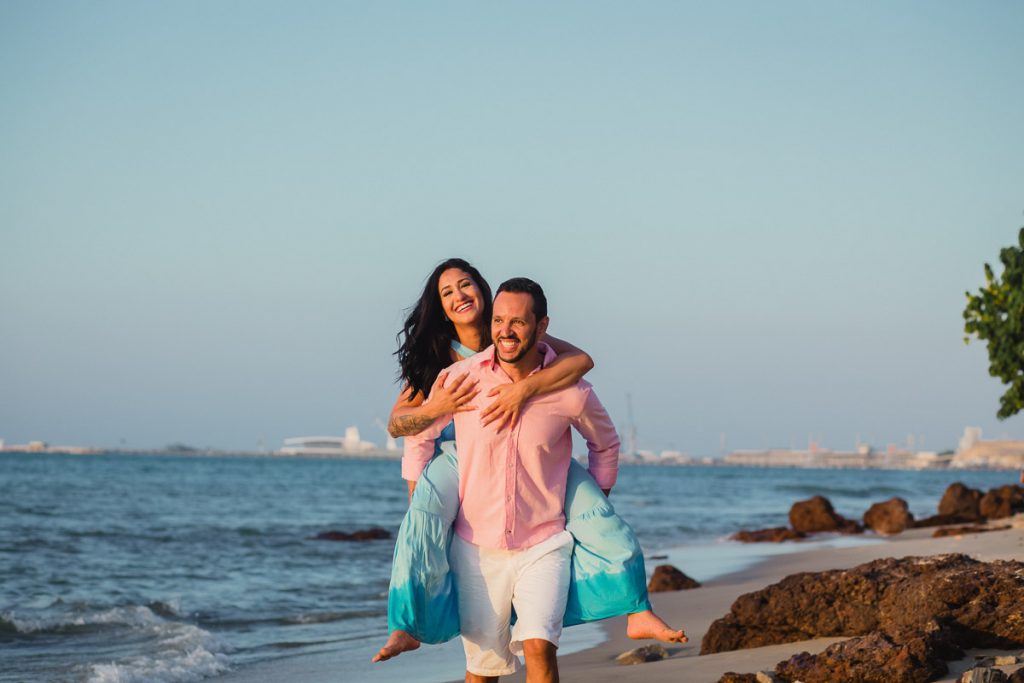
(511, 549)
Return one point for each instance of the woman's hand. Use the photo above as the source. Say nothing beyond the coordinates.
(453, 398)
(504, 410)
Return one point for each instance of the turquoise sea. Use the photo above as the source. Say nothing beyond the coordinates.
(174, 569)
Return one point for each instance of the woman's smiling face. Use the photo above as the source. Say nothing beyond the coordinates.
(461, 299)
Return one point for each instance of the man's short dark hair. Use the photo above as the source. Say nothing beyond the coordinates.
(524, 285)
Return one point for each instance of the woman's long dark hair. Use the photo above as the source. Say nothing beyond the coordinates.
(424, 342)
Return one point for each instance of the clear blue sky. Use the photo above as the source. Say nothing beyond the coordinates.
(760, 218)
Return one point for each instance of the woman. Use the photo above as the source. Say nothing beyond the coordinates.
(449, 322)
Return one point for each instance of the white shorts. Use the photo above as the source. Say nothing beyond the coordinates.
(491, 582)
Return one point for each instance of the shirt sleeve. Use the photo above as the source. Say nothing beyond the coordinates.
(595, 425)
(418, 449)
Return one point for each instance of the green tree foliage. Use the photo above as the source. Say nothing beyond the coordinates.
(996, 315)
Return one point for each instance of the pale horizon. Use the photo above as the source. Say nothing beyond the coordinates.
(760, 220)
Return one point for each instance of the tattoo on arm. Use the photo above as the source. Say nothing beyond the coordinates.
(407, 425)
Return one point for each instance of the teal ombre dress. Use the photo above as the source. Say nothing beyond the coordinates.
(608, 575)
(422, 598)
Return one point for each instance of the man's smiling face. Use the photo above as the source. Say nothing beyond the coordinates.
(514, 327)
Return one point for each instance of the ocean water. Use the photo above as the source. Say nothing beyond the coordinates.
(173, 569)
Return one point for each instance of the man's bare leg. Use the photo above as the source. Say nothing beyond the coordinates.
(647, 625)
(398, 642)
(541, 661)
(474, 678)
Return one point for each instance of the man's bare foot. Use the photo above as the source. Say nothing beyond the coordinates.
(649, 626)
(398, 642)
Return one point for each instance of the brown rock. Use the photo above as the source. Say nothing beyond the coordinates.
(961, 501)
(874, 658)
(816, 514)
(981, 674)
(943, 520)
(1004, 501)
(668, 578)
(371, 534)
(733, 677)
(978, 601)
(642, 655)
(961, 530)
(1016, 677)
(933, 639)
(890, 517)
(775, 534)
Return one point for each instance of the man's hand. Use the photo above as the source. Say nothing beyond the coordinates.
(504, 410)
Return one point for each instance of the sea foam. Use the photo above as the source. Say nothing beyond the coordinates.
(180, 653)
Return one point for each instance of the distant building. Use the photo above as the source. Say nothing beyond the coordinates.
(674, 458)
(349, 444)
(975, 452)
(972, 435)
(863, 457)
(770, 458)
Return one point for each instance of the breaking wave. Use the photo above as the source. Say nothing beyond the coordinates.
(171, 651)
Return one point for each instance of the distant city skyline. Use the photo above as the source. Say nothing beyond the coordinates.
(760, 220)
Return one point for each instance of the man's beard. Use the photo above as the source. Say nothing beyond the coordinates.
(524, 348)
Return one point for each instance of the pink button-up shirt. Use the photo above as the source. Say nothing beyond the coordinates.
(512, 483)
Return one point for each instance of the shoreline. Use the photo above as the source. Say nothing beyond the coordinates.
(693, 610)
(393, 455)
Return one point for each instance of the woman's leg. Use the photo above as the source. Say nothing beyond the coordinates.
(608, 574)
(422, 601)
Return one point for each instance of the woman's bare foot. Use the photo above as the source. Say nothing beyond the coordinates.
(398, 642)
(648, 626)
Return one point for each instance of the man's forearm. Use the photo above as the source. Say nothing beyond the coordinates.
(595, 425)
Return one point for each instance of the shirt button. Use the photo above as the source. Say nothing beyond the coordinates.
(508, 531)
(508, 497)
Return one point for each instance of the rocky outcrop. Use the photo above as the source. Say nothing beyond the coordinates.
(980, 674)
(961, 501)
(668, 578)
(874, 658)
(759, 677)
(890, 517)
(1002, 502)
(943, 520)
(775, 534)
(733, 677)
(979, 602)
(816, 514)
(961, 530)
(371, 534)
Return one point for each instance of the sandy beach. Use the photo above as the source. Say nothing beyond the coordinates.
(694, 610)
